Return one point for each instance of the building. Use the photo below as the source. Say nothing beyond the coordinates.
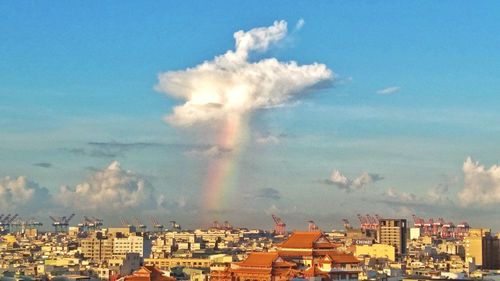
(378, 251)
(97, 248)
(482, 248)
(259, 266)
(304, 254)
(393, 232)
(132, 244)
(168, 263)
(147, 273)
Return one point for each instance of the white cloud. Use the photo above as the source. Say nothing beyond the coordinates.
(110, 189)
(481, 185)
(21, 194)
(347, 184)
(389, 90)
(267, 139)
(300, 23)
(232, 85)
(211, 152)
(400, 196)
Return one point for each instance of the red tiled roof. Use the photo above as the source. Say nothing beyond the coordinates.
(264, 259)
(259, 259)
(344, 258)
(148, 273)
(288, 253)
(302, 239)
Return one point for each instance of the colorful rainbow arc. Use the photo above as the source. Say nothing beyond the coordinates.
(222, 171)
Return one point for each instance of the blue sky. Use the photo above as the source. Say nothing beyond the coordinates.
(77, 93)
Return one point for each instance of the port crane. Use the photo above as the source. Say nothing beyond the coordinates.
(279, 226)
(61, 223)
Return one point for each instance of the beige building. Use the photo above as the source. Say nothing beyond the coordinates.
(482, 248)
(167, 263)
(97, 248)
(393, 232)
(132, 244)
(376, 251)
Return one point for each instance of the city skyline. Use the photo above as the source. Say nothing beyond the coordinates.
(236, 111)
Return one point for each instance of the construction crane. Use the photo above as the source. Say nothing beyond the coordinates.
(428, 227)
(347, 225)
(227, 226)
(140, 225)
(93, 223)
(6, 222)
(124, 222)
(34, 223)
(216, 225)
(462, 229)
(373, 223)
(17, 225)
(418, 222)
(156, 224)
(312, 226)
(279, 226)
(448, 230)
(363, 222)
(175, 225)
(436, 226)
(83, 225)
(61, 223)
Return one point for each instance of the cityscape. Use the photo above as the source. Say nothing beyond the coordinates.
(373, 248)
(249, 140)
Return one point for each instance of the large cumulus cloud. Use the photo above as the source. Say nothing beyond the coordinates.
(23, 194)
(110, 188)
(481, 184)
(232, 85)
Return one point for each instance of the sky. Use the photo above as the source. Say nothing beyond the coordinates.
(234, 111)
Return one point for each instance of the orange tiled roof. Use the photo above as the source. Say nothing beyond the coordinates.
(259, 259)
(344, 258)
(301, 239)
(148, 273)
(264, 259)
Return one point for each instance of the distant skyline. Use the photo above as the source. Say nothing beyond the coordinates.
(235, 111)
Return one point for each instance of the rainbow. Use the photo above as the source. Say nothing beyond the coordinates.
(222, 171)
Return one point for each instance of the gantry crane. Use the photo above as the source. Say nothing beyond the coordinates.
(312, 226)
(61, 223)
(157, 226)
(279, 226)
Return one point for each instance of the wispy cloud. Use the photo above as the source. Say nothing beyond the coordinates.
(300, 23)
(43, 165)
(389, 90)
(268, 193)
(213, 151)
(269, 139)
(344, 183)
(112, 149)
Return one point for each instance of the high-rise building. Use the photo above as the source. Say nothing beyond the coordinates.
(97, 248)
(483, 248)
(393, 232)
(132, 244)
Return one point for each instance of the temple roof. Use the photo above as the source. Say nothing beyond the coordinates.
(340, 258)
(147, 273)
(264, 259)
(303, 240)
